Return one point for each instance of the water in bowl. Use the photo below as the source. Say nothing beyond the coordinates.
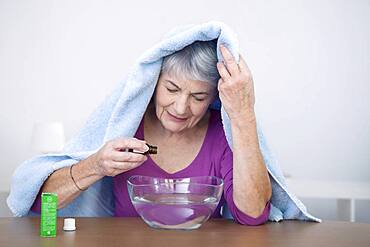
(175, 211)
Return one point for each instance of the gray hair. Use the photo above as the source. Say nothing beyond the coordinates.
(196, 61)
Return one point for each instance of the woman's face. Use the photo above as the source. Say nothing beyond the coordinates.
(181, 104)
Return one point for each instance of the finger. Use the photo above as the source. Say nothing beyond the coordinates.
(125, 165)
(124, 156)
(229, 60)
(243, 65)
(223, 71)
(123, 143)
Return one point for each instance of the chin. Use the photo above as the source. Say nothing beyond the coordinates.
(173, 127)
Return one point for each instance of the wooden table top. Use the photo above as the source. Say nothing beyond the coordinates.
(215, 232)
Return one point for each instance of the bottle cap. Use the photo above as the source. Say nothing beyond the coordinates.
(69, 224)
(152, 149)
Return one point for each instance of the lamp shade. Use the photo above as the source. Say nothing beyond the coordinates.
(47, 137)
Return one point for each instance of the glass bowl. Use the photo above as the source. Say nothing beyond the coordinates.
(181, 203)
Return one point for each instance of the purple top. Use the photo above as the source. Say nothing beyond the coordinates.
(215, 158)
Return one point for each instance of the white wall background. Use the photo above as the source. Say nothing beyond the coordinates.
(310, 61)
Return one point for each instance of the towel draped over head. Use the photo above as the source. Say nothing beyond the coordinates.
(119, 115)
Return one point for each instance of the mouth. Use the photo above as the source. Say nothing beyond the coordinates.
(175, 118)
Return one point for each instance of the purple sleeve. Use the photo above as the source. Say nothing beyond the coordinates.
(227, 175)
(36, 207)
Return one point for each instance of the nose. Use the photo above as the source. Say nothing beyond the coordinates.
(181, 105)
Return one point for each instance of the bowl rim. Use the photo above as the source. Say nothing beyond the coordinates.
(218, 178)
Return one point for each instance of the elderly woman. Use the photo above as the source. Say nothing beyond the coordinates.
(189, 136)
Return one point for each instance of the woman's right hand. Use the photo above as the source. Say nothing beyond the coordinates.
(110, 160)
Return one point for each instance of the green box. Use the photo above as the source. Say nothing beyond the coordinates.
(49, 207)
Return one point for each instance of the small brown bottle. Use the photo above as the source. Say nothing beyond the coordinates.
(152, 150)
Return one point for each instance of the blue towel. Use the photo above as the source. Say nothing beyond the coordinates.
(119, 115)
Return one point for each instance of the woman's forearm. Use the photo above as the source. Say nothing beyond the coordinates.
(251, 183)
(61, 183)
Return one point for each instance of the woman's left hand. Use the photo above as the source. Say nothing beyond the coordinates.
(236, 87)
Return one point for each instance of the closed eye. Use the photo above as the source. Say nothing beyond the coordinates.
(172, 90)
(175, 90)
(197, 99)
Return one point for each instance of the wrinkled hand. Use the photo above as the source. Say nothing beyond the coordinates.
(235, 87)
(111, 160)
